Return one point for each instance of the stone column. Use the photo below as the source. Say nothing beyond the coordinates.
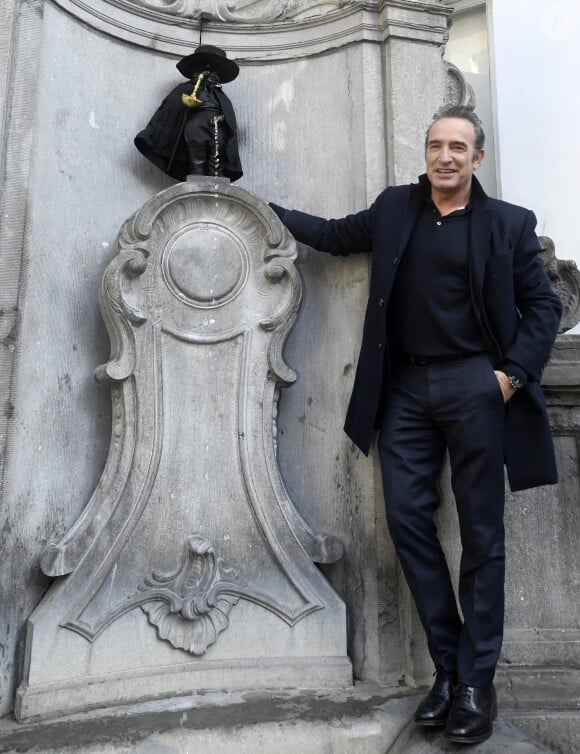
(21, 24)
(415, 82)
(7, 21)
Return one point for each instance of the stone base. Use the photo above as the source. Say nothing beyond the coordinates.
(52, 700)
(557, 728)
(367, 719)
(544, 702)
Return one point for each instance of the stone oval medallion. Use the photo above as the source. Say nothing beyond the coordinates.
(205, 265)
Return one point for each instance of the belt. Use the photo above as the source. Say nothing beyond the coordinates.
(423, 361)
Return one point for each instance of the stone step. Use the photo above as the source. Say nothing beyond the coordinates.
(366, 719)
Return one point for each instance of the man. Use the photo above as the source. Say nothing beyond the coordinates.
(459, 325)
(194, 129)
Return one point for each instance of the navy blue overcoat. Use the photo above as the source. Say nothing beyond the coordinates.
(517, 309)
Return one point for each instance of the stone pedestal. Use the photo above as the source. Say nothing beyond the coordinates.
(190, 568)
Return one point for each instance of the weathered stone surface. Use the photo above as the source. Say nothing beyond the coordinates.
(366, 719)
(21, 25)
(565, 278)
(7, 24)
(557, 729)
(506, 739)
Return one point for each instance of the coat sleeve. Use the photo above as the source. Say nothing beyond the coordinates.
(352, 234)
(539, 307)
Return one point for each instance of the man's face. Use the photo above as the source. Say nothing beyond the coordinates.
(450, 155)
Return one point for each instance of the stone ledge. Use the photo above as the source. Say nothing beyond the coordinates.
(559, 729)
(368, 719)
(532, 688)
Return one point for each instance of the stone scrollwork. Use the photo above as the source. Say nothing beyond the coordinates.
(189, 605)
(459, 91)
(244, 11)
(565, 278)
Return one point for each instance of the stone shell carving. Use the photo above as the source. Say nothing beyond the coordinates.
(190, 605)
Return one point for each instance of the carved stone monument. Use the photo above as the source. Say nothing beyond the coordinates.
(190, 568)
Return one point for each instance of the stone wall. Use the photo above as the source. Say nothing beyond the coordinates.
(336, 98)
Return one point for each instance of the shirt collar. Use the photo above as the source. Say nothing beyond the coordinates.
(426, 185)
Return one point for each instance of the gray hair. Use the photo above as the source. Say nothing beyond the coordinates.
(460, 111)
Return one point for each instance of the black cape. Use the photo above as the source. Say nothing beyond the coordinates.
(162, 142)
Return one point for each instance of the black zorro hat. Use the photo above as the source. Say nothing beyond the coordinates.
(209, 55)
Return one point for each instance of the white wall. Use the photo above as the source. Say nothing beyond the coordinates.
(535, 65)
(467, 48)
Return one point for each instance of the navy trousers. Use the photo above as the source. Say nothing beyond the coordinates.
(456, 406)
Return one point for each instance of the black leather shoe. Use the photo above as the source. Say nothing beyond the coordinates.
(472, 714)
(434, 709)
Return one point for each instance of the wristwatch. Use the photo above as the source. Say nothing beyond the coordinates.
(515, 382)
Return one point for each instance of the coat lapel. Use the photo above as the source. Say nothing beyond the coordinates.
(479, 252)
(480, 235)
(411, 215)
